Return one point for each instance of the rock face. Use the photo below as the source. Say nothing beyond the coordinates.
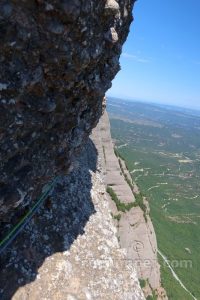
(57, 59)
(70, 251)
(135, 229)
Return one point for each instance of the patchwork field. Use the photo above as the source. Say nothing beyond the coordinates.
(161, 146)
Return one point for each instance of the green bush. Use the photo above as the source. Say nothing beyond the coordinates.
(140, 202)
(117, 217)
(138, 197)
(123, 207)
(149, 298)
(154, 297)
(142, 283)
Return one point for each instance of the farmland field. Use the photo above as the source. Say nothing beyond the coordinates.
(161, 146)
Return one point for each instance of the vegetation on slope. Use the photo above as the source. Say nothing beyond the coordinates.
(164, 158)
(139, 197)
(123, 207)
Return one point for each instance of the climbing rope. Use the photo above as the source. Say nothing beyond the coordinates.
(23, 222)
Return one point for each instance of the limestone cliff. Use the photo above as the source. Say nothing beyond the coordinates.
(57, 59)
(135, 230)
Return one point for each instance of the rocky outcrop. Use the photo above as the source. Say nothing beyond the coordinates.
(57, 59)
(135, 230)
(70, 250)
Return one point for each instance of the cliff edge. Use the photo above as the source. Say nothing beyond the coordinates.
(57, 60)
(130, 212)
(70, 249)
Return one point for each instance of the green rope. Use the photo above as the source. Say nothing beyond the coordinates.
(22, 223)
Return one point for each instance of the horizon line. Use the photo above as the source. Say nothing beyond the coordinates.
(155, 102)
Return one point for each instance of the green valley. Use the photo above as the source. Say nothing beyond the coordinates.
(161, 147)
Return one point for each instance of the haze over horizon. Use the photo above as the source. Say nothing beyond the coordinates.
(161, 58)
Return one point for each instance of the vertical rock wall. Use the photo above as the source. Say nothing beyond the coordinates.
(57, 59)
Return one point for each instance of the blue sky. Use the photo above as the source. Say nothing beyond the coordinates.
(161, 58)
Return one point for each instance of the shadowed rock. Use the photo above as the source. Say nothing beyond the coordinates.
(53, 229)
(70, 249)
(57, 60)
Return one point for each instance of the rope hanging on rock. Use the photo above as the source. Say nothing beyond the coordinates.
(22, 223)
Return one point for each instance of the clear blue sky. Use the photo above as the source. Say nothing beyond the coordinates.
(161, 58)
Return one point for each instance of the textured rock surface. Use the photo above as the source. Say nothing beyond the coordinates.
(57, 59)
(113, 177)
(70, 250)
(136, 234)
